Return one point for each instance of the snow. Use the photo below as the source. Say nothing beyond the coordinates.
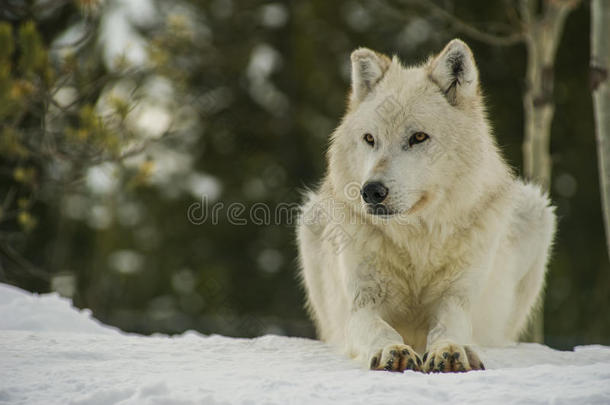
(52, 353)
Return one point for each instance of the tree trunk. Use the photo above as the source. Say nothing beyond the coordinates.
(600, 86)
(542, 36)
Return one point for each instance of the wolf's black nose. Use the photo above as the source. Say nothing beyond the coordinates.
(374, 192)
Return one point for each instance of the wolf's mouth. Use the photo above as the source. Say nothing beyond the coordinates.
(382, 210)
(379, 210)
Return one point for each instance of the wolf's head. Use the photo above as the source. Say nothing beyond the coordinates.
(414, 139)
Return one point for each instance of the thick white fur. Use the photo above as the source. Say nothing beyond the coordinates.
(462, 261)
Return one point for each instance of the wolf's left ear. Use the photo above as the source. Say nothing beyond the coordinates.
(455, 72)
(368, 68)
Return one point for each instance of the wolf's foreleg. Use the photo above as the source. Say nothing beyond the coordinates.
(369, 337)
(374, 341)
(451, 331)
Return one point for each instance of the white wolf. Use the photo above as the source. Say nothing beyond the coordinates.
(441, 247)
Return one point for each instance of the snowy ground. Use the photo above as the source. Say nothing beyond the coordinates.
(51, 353)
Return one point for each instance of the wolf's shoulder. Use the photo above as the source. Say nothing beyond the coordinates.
(532, 206)
(316, 195)
(530, 197)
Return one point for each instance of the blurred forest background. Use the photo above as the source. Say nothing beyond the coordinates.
(116, 116)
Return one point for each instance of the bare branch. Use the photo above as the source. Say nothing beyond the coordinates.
(528, 11)
(8, 198)
(10, 254)
(513, 15)
(466, 28)
(90, 30)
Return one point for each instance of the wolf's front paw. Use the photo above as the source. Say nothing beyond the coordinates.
(396, 358)
(447, 357)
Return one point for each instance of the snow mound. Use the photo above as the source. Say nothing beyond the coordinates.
(51, 353)
(20, 310)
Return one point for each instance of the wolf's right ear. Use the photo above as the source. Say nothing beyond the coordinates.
(368, 68)
(455, 72)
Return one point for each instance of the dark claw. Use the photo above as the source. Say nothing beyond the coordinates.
(425, 357)
(445, 355)
(405, 352)
(410, 364)
(481, 366)
(388, 366)
(431, 366)
(374, 362)
(456, 355)
(419, 361)
(441, 366)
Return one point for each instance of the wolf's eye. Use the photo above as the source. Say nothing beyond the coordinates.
(368, 138)
(418, 137)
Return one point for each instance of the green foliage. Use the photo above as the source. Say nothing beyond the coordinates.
(11, 146)
(7, 45)
(91, 130)
(33, 55)
(17, 90)
(47, 144)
